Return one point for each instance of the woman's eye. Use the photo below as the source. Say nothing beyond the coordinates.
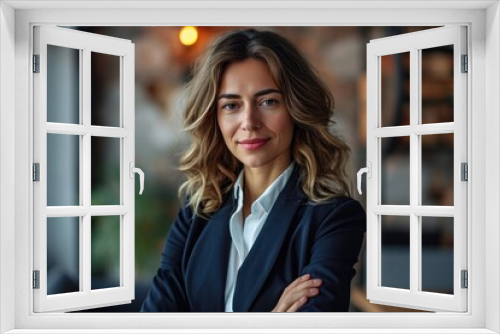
(270, 102)
(229, 106)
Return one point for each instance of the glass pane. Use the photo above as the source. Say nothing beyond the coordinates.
(63, 255)
(437, 84)
(395, 232)
(105, 91)
(63, 169)
(395, 94)
(105, 171)
(437, 254)
(437, 169)
(105, 255)
(63, 85)
(395, 170)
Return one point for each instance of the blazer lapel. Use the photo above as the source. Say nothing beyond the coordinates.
(206, 275)
(261, 258)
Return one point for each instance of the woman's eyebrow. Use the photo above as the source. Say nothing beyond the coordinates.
(259, 93)
(267, 91)
(228, 96)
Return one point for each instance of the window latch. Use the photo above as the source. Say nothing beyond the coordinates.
(368, 171)
(133, 170)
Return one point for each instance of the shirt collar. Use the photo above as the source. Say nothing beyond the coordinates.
(269, 196)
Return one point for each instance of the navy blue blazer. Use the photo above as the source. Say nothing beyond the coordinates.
(298, 238)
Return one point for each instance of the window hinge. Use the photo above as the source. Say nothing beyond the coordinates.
(36, 279)
(36, 63)
(464, 172)
(465, 64)
(36, 172)
(465, 279)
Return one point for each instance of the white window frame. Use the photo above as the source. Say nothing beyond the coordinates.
(483, 21)
(413, 44)
(85, 43)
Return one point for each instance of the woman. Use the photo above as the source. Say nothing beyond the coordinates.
(268, 224)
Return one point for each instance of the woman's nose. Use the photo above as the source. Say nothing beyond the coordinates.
(251, 119)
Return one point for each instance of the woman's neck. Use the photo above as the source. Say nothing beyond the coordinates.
(257, 180)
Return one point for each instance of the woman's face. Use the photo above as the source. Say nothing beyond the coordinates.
(252, 116)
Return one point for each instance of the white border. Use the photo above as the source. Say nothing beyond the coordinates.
(7, 166)
(244, 4)
(483, 109)
(491, 160)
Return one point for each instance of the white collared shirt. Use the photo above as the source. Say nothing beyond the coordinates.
(244, 234)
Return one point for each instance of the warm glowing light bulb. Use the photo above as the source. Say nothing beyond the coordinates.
(188, 35)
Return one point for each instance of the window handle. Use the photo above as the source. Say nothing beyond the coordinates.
(141, 175)
(368, 171)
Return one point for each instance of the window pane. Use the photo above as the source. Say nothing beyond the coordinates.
(105, 255)
(63, 170)
(395, 94)
(105, 78)
(105, 171)
(395, 170)
(63, 85)
(437, 169)
(437, 84)
(63, 255)
(437, 254)
(395, 233)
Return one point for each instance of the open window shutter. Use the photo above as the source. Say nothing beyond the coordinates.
(64, 208)
(413, 131)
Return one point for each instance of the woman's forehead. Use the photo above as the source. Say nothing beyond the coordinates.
(247, 75)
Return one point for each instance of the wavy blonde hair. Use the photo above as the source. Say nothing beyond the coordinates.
(211, 169)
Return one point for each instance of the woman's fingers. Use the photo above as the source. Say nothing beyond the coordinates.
(297, 293)
(298, 304)
(301, 294)
(299, 280)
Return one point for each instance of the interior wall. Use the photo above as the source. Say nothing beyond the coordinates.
(7, 163)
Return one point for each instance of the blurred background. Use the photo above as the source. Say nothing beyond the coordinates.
(163, 60)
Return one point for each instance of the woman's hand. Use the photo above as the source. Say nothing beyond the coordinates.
(297, 293)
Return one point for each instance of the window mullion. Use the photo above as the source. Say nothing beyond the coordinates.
(85, 273)
(122, 180)
(81, 239)
(415, 177)
(82, 258)
(80, 130)
(392, 210)
(110, 132)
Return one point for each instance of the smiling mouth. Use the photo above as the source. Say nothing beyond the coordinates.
(253, 144)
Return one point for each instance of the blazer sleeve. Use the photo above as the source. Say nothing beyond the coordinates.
(167, 293)
(335, 250)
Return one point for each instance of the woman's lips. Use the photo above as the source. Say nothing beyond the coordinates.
(253, 144)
